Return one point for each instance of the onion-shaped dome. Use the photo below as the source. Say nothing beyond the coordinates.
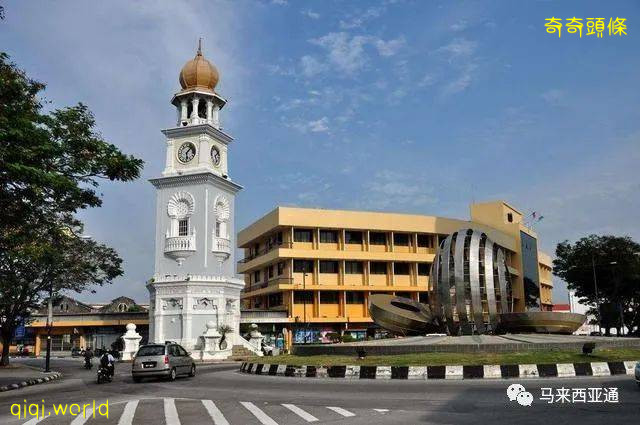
(199, 73)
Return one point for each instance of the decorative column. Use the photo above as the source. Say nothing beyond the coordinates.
(169, 164)
(131, 342)
(209, 111)
(183, 111)
(255, 337)
(215, 119)
(194, 112)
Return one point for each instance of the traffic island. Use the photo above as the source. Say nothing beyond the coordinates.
(21, 382)
(506, 371)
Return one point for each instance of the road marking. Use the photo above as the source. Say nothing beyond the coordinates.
(129, 411)
(80, 420)
(36, 420)
(298, 411)
(381, 410)
(259, 414)
(341, 411)
(170, 412)
(215, 413)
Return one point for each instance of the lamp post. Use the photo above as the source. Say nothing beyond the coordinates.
(47, 361)
(595, 286)
(304, 291)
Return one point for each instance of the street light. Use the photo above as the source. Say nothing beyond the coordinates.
(595, 286)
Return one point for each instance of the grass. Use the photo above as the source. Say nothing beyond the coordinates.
(437, 359)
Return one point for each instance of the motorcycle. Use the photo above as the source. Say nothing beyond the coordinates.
(103, 375)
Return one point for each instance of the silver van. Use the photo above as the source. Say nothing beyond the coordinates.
(162, 360)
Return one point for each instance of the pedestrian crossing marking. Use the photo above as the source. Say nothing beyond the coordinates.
(258, 413)
(298, 411)
(215, 413)
(170, 412)
(129, 411)
(171, 416)
(341, 411)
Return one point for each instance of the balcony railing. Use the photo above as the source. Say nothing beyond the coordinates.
(273, 281)
(265, 250)
(221, 245)
(179, 243)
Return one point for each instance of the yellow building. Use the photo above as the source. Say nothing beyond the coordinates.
(318, 267)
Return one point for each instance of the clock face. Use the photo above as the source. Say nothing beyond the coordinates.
(215, 156)
(186, 152)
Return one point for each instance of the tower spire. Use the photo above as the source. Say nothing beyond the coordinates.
(200, 46)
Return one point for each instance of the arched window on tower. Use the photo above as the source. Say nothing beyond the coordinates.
(221, 239)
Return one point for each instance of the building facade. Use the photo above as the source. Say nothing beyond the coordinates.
(79, 325)
(318, 267)
(194, 281)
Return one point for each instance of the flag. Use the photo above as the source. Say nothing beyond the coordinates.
(541, 217)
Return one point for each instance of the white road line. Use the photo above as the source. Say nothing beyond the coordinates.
(259, 414)
(34, 421)
(381, 410)
(129, 411)
(80, 419)
(215, 413)
(298, 411)
(341, 411)
(170, 412)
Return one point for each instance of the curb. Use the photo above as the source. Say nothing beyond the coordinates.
(522, 371)
(32, 381)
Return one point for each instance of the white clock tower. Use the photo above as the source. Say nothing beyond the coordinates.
(194, 290)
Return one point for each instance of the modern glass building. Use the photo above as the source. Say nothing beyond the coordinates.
(309, 272)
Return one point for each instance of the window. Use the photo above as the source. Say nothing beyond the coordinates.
(423, 269)
(353, 237)
(328, 267)
(401, 268)
(256, 276)
(183, 227)
(510, 217)
(275, 299)
(303, 297)
(279, 238)
(423, 297)
(404, 294)
(329, 297)
(425, 241)
(301, 266)
(280, 268)
(378, 267)
(353, 267)
(271, 271)
(218, 234)
(328, 236)
(355, 297)
(302, 235)
(401, 239)
(377, 238)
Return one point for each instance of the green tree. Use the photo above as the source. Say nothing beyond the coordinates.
(50, 166)
(616, 261)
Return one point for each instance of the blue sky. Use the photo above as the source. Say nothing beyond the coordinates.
(408, 106)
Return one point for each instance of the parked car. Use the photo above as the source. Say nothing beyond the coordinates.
(162, 360)
(638, 373)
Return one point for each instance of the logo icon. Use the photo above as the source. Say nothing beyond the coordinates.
(517, 392)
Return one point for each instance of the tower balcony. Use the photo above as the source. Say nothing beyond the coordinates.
(221, 247)
(180, 247)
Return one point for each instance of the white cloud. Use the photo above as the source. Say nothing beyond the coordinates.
(359, 20)
(461, 25)
(389, 48)
(280, 2)
(345, 52)
(461, 82)
(459, 48)
(428, 80)
(319, 126)
(310, 14)
(554, 97)
(311, 66)
(400, 191)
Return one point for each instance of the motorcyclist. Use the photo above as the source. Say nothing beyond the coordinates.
(88, 354)
(108, 361)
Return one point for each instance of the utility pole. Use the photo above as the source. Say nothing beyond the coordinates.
(595, 285)
(304, 291)
(47, 362)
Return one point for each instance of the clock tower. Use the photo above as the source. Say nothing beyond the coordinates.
(194, 290)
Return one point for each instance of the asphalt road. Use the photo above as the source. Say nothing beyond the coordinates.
(221, 395)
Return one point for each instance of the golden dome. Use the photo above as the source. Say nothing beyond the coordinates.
(199, 73)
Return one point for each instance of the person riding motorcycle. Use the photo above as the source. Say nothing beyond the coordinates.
(108, 362)
(88, 354)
